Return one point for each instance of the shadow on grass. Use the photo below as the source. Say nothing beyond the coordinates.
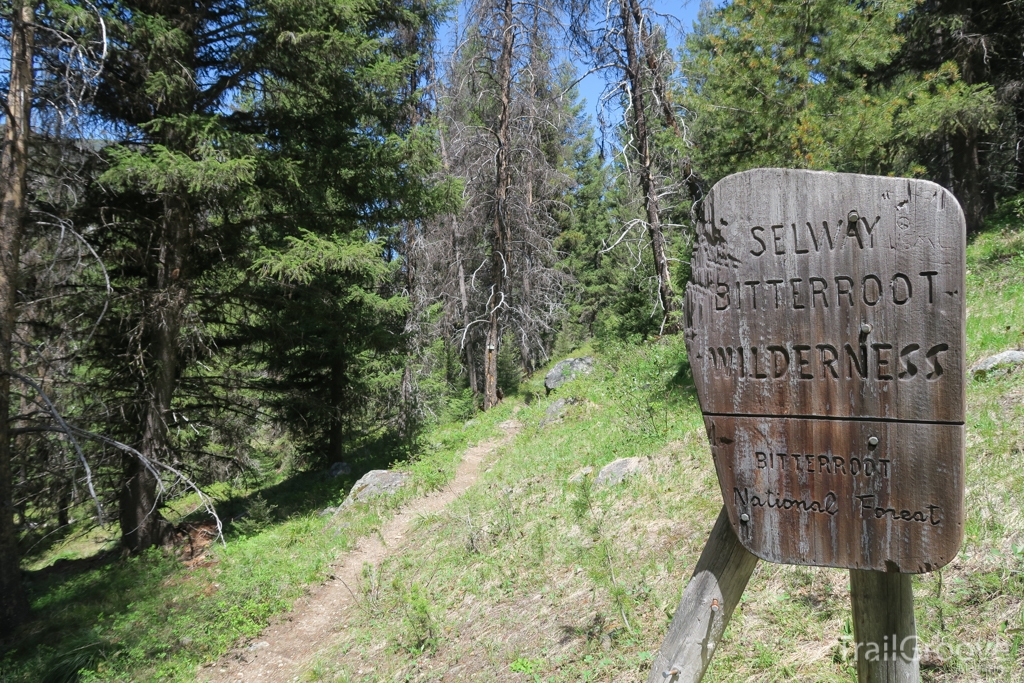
(108, 607)
(70, 600)
(682, 382)
(312, 491)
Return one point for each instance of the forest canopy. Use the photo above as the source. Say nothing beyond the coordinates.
(241, 238)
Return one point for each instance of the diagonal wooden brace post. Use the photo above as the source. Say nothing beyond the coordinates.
(707, 604)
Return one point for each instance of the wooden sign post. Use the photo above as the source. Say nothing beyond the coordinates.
(825, 331)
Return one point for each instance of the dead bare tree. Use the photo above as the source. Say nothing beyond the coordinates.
(628, 45)
(503, 109)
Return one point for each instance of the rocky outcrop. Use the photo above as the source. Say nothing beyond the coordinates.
(376, 483)
(567, 370)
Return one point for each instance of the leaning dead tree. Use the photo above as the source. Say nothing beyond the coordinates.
(628, 46)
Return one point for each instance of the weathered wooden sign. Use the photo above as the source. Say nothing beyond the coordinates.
(825, 329)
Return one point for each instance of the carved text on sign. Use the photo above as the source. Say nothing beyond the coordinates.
(825, 333)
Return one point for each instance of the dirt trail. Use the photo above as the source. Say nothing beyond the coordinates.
(285, 647)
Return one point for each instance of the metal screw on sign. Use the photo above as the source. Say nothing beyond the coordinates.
(873, 441)
(865, 328)
(714, 605)
(670, 673)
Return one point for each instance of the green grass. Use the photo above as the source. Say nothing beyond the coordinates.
(154, 618)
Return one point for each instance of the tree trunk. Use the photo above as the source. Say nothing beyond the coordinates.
(13, 175)
(501, 237)
(967, 169)
(464, 297)
(968, 184)
(648, 183)
(336, 436)
(142, 525)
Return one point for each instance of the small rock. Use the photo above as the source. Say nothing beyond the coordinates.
(328, 511)
(556, 410)
(338, 469)
(567, 370)
(260, 645)
(581, 474)
(376, 483)
(616, 471)
(553, 412)
(999, 364)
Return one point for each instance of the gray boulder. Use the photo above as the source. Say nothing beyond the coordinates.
(376, 483)
(566, 370)
(1001, 363)
(617, 471)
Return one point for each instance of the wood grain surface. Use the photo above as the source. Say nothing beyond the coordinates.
(704, 610)
(825, 330)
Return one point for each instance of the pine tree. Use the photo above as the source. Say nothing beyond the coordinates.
(345, 169)
(14, 177)
(170, 202)
(977, 157)
(795, 84)
(506, 114)
(54, 50)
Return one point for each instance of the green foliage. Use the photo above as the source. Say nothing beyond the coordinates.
(258, 517)
(793, 84)
(419, 622)
(510, 366)
(344, 170)
(526, 666)
(615, 295)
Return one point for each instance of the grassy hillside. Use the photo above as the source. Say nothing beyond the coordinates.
(532, 577)
(537, 578)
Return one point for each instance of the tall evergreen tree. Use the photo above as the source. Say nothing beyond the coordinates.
(349, 162)
(14, 177)
(170, 206)
(795, 84)
(54, 50)
(978, 158)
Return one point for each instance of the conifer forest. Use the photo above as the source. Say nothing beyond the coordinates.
(244, 242)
